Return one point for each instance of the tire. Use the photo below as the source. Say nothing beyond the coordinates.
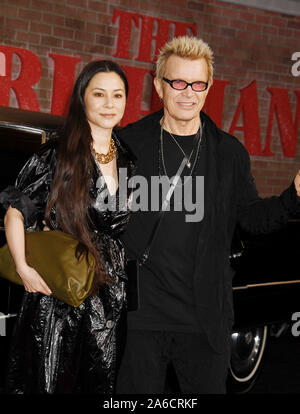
(247, 349)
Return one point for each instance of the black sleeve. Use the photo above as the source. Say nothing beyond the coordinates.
(263, 215)
(32, 187)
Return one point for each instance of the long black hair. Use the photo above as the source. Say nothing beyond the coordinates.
(71, 184)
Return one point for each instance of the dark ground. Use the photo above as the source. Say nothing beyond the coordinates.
(279, 374)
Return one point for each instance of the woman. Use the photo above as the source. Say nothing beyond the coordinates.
(72, 185)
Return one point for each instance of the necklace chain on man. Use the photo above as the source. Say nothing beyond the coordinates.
(188, 163)
(198, 137)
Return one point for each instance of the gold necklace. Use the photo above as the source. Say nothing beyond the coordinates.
(105, 158)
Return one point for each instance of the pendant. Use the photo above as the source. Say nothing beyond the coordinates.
(188, 164)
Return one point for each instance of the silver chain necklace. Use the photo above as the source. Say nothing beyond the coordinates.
(188, 163)
(198, 137)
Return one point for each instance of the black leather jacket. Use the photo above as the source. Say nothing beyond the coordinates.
(230, 198)
(57, 348)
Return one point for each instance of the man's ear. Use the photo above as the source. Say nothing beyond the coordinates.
(158, 86)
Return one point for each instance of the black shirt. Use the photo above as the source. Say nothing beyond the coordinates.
(166, 280)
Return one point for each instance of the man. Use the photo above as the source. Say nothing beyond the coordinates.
(186, 312)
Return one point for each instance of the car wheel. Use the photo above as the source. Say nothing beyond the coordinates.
(247, 349)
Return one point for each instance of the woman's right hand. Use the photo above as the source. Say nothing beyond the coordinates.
(32, 281)
(15, 236)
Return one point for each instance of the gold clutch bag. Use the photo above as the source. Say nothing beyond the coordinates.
(52, 255)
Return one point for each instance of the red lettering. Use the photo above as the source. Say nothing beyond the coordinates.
(215, 100)
(248, 104)
(64, 72)
(125, 21)
(147, 33)
(280, 105)
(181, 28)
(154, 33)
(162, 34)
(155, 103)
(30, 73)
(135, 78)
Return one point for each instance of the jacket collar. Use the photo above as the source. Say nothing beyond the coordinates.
(125, 159)
(213, 189)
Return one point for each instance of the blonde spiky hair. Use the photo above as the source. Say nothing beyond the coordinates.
(185, 47)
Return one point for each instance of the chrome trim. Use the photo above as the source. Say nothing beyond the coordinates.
(8, 315)
(25, 129)
(286, 282)
(234, 255)
(247, 350)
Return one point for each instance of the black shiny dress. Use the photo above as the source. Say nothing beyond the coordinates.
(57, 348)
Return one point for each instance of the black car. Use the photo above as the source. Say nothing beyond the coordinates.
(21, 134)
(266, 286)
(266, 289)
